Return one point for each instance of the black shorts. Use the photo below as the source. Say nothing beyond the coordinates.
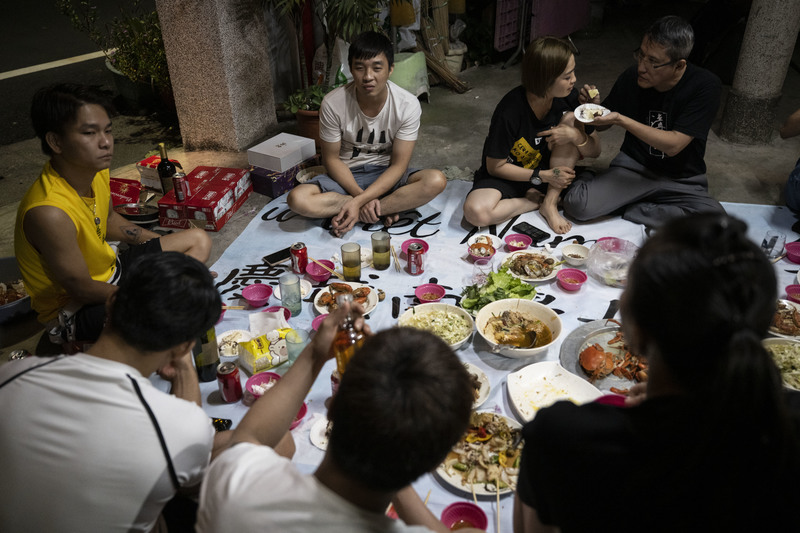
(507, 188)
(89, 319)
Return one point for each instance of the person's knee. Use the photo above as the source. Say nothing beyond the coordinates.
(477, 216)
(574, 202)
(434, 183)
(298, 201)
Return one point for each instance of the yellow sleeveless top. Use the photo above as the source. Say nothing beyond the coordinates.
(47, 295)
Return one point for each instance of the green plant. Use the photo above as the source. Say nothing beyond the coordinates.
(308, 98)
(131, 42)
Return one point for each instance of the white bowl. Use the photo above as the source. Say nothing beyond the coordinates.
(570, 250)
(527, 307)
(424, 309)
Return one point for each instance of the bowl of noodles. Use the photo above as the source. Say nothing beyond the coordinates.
(448, 322)
(518, 328)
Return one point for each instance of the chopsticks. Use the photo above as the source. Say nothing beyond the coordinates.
(497, 491)
(396, 261)
(428, 496)
(326, 268)
(239, 307)
(779, 257)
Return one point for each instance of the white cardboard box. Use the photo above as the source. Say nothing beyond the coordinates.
(282, 152)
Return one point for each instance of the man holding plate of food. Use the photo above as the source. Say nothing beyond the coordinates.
(666, 106)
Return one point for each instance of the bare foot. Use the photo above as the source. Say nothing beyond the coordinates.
(558, 223)
(390, 219)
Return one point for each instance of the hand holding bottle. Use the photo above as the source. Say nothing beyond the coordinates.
(321, 345)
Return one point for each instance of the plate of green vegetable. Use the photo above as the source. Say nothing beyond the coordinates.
(498, 286)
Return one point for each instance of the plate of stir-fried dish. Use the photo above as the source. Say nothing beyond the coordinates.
(486, 459)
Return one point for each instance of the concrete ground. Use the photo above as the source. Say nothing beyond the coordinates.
(451, 138)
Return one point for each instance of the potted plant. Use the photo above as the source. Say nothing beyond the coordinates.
(304, 103)
(133, 46)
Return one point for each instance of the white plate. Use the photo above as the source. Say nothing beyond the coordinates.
(783, 335)
(317, 434)
(550, 276)
(542, 384)
(305, 288)
(422, 309)
(483, 392)
(453, 479)
(581, 109)
(497, 242)
(372, 298)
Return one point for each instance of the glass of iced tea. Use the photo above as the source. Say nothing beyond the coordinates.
(380, 250)
(351, 261)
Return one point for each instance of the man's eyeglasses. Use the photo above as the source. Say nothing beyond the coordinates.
(639, 56)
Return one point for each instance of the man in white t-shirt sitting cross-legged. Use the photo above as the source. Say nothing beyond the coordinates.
(368, 129)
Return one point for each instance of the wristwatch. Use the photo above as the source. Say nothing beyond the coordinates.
(535, 179)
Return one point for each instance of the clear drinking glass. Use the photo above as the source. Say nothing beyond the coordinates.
(296, 340)
(351, 261)
(481, 269)
(773, 244)
(290, 292)
(380, 250)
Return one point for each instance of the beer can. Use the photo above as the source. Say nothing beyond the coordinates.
(416, 259)
(299, 258)
(230, 388)
(181, 187)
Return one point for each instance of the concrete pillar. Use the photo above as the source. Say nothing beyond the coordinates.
(218, 59)
(769, 39)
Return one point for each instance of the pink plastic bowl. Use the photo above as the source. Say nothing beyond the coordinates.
(261, 378)
(793, 293)
(299, 417)
(257, 295)
(275, 308)
(318, 321)
(520, 242)
(432, 290)
(571, 279)
(466, 511)
(793, 251)
(404, 246)
(316, 272)
(481, 250)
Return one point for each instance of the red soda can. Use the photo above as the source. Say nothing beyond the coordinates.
(299, 258)
(416, 259)
(230, 388)
(180, 186)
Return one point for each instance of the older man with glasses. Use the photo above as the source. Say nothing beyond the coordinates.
(666, 106)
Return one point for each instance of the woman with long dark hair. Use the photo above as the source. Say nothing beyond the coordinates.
(713, 444)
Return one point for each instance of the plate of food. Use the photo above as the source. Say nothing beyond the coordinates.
(320, 432)
(535, 266)
(598, 353)
(588, 112)
(786, 353)
(305, 288)
(448, 322)
(542, 384)
(489, 437)
(498, 286)
(480, 382)
(493, 240)
(786, 321)
(325, 300)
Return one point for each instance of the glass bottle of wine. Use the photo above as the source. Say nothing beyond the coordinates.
(166, 169)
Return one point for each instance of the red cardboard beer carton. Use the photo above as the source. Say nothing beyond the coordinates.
(149, 174)
(215, 193)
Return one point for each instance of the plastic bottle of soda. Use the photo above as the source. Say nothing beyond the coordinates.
(347, 339)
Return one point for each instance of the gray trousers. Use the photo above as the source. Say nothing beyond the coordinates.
(644, 196)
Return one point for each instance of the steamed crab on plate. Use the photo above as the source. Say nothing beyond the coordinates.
(613, 358)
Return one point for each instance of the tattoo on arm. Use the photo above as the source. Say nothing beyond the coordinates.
(133, 233)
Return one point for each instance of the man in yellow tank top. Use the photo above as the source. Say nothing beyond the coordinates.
(66, 220)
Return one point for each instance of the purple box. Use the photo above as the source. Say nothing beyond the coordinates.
(273, 184)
